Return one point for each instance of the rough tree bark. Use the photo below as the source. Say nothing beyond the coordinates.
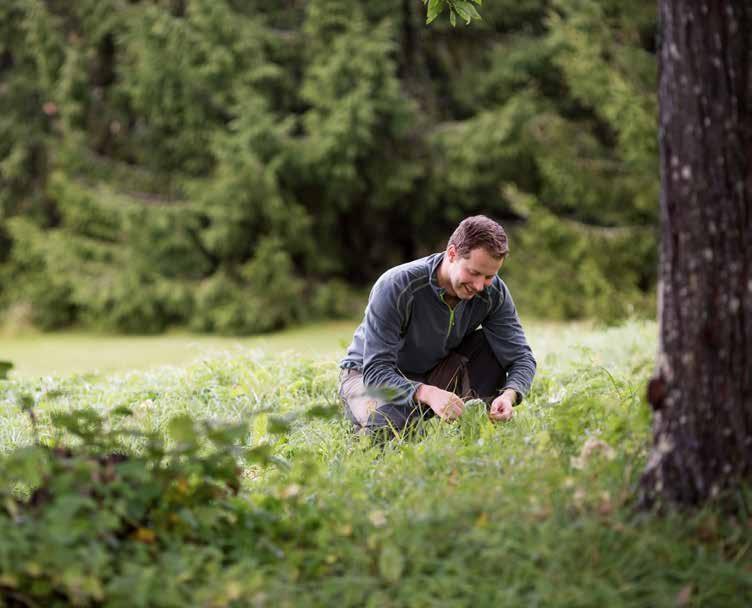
(702, 390)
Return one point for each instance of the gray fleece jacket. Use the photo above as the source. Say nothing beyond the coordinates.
(408, 327)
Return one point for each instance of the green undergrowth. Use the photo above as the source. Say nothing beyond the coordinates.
(236, 482)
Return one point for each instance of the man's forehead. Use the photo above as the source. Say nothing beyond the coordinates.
(481, 261)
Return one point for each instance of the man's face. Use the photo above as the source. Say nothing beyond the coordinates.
(469, 276)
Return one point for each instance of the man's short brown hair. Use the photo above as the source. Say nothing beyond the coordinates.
(480, 231)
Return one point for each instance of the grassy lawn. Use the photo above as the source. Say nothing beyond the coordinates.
(536, 512)
(82, 353)
(86, 353)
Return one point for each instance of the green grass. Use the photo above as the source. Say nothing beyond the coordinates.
(469, 514)
(63, 353)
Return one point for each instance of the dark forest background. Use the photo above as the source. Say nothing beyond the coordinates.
(237, 166)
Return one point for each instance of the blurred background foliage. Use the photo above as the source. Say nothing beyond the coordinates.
(236, 167)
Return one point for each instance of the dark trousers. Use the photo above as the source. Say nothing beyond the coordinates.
(470, 371)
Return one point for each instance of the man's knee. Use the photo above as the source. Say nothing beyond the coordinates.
(396, 419)
(371, 415)
(359, 406)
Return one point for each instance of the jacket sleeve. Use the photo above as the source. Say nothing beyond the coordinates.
(382, 342)
(507, 340)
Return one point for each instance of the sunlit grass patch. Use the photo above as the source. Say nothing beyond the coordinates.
(538, 511)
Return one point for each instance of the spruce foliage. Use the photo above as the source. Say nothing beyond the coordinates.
(156, 157)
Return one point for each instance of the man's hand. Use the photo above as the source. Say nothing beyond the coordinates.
(501, 408)
(447, 406)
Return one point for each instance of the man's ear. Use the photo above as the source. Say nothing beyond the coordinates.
(451, 253)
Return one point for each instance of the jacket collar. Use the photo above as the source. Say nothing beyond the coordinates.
(434, 261)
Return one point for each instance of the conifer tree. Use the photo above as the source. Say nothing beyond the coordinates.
(354, 159)
(347, 136)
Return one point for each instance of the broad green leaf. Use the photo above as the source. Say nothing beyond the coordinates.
(259, 454)
(459, 8)
(181, 429)
(28, 465)
(466, 10)
(25, 401)
(122, 411)
(543, 439)
(391, 563)
(260, 426)
(473, 11)
(435, 8)
(86, 423)
(322, 411)
(278, 425)
(453, 18)
(5, 367)
(226, 434)
(386, 393)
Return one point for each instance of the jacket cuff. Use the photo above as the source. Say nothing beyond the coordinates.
(416, 386)
(517, 391)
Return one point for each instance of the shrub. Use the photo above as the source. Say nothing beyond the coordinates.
(336, 299)
(40, 275)
(566, 270)
(89, 524)
(130, 301)
(266, 295)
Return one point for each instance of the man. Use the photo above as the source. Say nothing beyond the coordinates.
(437, 331)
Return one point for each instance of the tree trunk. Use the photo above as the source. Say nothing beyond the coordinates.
(702, 390)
